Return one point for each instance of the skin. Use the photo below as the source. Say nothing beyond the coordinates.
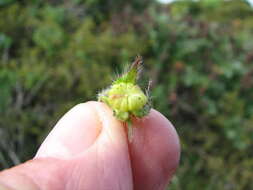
(88, 149)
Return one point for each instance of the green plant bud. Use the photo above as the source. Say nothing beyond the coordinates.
(125, 97)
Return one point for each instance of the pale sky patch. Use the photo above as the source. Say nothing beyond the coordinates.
(169, 1)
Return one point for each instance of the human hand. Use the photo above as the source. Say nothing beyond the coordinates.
(88, 150)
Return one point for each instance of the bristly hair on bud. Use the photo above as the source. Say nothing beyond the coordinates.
(132, 73)
(137, 63)
(125, 97)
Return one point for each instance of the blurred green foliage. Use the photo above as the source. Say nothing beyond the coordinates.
(55, 54)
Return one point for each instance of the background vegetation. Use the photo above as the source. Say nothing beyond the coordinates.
(55, 54)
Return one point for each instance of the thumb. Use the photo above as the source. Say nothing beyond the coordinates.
(87, 149)
(79, 129)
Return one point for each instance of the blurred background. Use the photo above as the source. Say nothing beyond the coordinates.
(55, 54)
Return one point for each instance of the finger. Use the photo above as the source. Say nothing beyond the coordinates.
(155, 152)
(104, 160)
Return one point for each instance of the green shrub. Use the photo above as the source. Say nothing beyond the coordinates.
(199, 55)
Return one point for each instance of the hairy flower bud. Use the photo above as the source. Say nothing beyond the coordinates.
(125, 97)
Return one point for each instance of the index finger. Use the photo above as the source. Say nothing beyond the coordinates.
(154, 150)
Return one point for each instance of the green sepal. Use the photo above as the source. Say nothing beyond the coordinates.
(121, 115)
(132, 75)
